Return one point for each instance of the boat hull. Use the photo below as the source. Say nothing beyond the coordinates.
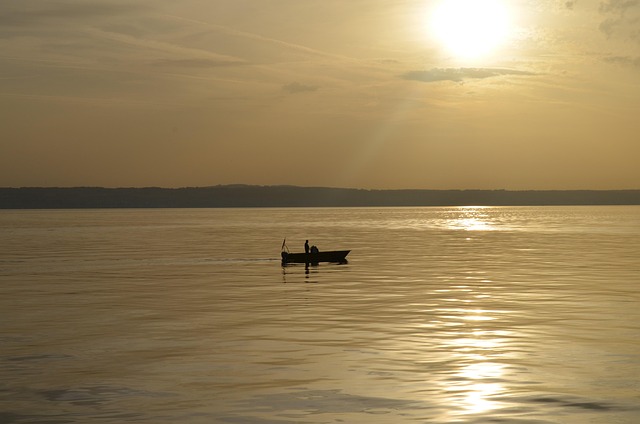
(339, 256)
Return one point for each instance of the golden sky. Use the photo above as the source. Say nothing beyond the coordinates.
(433, 94)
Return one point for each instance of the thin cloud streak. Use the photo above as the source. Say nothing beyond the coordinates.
(94, 101)
(460, 74)
(296, 87)
(258, 37)
(624, 61)
(165, 47)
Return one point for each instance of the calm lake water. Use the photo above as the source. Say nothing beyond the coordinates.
(442, 315)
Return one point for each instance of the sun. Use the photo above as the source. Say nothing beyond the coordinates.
(471, 29)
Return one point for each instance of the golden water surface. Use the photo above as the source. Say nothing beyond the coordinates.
(442, 315)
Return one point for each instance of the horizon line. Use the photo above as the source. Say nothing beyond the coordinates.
(241, 185)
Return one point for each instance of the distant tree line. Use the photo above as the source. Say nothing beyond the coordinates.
(240, 196)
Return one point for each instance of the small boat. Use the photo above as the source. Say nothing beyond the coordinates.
(339, 256)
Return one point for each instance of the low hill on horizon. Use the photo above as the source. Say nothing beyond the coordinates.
(238, 196)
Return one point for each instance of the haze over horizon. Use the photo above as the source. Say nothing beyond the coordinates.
(375, 94)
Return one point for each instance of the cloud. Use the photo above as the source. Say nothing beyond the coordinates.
(622, 18)
(296, 87)
(617, 5)
(202, 63)
(459, 74)
(624, 61)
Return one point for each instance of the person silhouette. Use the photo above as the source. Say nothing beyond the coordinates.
(306, 246)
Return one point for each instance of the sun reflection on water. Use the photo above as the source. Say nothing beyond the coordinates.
(472, 224)
(477, 375)
(471, 218)
(478, 399)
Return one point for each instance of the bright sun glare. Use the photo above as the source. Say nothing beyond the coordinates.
(471, 29)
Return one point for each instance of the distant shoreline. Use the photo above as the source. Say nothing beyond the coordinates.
(247, 196)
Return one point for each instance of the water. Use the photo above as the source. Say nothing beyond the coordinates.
(442, 315)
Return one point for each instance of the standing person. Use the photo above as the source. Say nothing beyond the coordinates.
(306, 247)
